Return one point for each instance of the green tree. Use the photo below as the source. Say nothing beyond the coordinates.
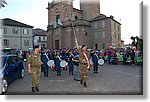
(137, 42)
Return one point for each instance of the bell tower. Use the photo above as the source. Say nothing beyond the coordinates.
(91, 8)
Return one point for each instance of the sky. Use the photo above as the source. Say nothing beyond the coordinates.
(34, 13)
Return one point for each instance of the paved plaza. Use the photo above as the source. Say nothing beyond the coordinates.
(111, 80)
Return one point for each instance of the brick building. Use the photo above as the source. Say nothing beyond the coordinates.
(91, 27)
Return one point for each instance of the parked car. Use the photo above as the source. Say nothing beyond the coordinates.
(8, 51)
(11, 69)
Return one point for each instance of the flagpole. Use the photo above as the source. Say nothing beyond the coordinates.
(76, 42)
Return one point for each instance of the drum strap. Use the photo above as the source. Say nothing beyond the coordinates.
(59, 58)
(46, 56)
(96, 56)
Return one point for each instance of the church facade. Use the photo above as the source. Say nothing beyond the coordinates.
(90, 26)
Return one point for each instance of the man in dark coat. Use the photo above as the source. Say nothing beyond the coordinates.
(57, 61)
(95, 61)
(132, 54)
(45, 59)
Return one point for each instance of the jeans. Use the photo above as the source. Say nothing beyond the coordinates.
(95, 68)
(76, 73)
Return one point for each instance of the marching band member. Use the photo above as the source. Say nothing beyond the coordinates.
(70, 63)
(45, 59)
(57, 61)
(64, 57)
(95, 61)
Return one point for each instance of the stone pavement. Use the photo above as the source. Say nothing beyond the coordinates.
(111, 80)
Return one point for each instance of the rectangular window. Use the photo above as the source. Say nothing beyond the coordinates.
(15, 30)
(25, 31)
(6, 42)
(4, 30)
(115, 35)
(95, 25)
(43, 38)
(118, 28)
(103, 24)
(114, 25)
(103, 34)
(103, 45)
(95, 35)
(26, 42)
(118, 37)
(100, 45)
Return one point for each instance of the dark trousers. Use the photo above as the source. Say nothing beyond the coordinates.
(95, 68)
(70, 70)
(109, 59)
(133, 62)
(58, 70)
(46, 70)
(124, 60)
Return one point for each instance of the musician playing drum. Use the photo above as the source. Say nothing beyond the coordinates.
(70, 62)
(57, 61)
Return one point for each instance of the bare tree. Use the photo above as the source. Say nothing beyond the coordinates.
(3, 3)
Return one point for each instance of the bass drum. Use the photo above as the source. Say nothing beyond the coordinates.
(50, 63)
(100, 61)
(63, 63)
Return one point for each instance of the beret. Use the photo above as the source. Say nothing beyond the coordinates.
(83, 46)
(36, 46)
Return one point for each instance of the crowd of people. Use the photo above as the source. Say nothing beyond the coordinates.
(74, 60)
(71, 56)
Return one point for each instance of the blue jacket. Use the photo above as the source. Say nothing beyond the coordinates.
(57, 62)
(70, 62)
(94, 59)
(132, 54)
(44, 59)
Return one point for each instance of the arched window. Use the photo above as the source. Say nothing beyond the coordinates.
(76, 17)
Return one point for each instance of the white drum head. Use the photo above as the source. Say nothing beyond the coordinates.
(50, 63)
(100, 61)
(63, 63)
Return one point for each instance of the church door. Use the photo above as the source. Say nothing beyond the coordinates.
(57, 44)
